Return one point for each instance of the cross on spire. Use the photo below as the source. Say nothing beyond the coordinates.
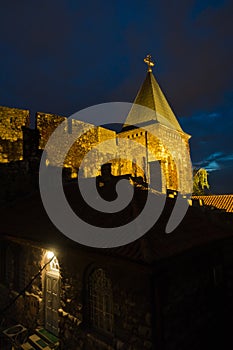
(149, 62)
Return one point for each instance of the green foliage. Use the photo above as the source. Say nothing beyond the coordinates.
(200, 182)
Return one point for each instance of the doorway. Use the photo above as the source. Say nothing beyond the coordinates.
(52, 295)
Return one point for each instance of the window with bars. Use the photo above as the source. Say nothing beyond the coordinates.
(101, 301)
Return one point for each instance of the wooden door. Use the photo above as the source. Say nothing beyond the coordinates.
(52, 302)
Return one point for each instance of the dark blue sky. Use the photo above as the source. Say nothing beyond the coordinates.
(64, 55)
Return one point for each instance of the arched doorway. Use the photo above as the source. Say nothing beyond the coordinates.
(51, 292)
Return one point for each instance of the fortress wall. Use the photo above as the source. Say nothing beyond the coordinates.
(46, 123)
(85, 143)
(133, 159)
(11, 136)
(173, 151)
(169, 147)
(160, 142)
(165, 145)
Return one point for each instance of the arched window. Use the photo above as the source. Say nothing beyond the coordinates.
(100, 301)
(54, 265)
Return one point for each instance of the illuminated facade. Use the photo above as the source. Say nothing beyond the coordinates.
(159, 292)
(11, 136)
(162, 134)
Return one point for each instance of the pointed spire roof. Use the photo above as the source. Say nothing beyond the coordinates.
(150, 95)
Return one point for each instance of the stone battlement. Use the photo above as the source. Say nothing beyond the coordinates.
(20, 143)
(11, 136)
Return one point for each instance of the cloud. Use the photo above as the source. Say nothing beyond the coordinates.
(215, 161)
(212, 166)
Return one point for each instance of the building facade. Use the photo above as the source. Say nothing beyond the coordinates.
(161, 291)
(151, 124)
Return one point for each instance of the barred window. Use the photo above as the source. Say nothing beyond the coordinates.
(101, 301)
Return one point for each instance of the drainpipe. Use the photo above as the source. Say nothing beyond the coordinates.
(147, 160)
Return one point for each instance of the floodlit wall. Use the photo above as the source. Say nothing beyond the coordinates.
(11, 136)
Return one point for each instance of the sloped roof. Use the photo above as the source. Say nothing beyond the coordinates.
(220, 201)
(31, 222)
(151, 96)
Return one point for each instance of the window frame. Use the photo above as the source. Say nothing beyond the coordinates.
(100, 302)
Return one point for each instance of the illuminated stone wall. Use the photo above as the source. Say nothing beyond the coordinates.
(171, 148)
(84, 144)
(133, 159)
(47, 123)
(11, 135)
(174, 166)
(136, 161)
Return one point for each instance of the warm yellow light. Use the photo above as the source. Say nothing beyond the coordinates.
(50, 255)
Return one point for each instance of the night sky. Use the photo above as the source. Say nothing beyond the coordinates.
(64, 55)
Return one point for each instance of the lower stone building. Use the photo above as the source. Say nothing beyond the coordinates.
(162, 291)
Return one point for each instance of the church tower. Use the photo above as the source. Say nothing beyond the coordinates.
(152, 123)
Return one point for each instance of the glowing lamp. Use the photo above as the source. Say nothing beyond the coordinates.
(50, 255)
